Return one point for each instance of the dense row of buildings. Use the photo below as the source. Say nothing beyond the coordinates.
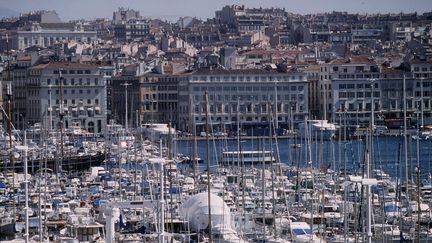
(255, 65)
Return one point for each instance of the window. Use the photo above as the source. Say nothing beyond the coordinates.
(89, 101)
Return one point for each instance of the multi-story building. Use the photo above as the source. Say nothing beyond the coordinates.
(312, 72)
(19, 91)
(124, 15)
(422, 72)
(159, 97)
(366, 33)
(125, 96)
(76, 90)
(107, 72)
(250, 94)
(46, 35)
(132, 29)
(354, 95)
(241, 19)
(350, 68)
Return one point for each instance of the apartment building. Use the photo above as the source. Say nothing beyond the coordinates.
(252, 95)
(159, 97)
(354, 96)
(353, 67)
(46, 35)
(76, 90)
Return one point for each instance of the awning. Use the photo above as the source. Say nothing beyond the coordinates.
(90, 109)
(81, 108)
(74, 109)
(97, 108)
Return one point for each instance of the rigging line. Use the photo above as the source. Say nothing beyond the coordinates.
(7, 117)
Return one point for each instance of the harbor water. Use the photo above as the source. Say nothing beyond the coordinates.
(388, 151)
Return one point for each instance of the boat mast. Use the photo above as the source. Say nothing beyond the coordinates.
(194, 142)
(418, 204)
(368, 162)
(61, 115)
(208, 166)
(238, 132)
(405, 137)
(162, 197)
(272, 168)
(25, 148)
(170, 175)
(9, 118)
(263, 186)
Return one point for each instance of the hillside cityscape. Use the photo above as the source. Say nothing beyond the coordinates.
(254, 125)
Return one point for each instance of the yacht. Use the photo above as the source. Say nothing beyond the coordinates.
(248, 158)
(302, 232)
(318, 127)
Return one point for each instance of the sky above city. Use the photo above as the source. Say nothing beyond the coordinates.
(173, 9)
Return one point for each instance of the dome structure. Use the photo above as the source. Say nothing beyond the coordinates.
(195, 211)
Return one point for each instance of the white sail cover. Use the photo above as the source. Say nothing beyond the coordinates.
(195, 210)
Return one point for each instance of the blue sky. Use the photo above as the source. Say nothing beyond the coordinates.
(172, 9)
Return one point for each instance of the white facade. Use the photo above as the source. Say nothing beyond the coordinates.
(354, 97)
(39, 36)
(83, 98)
(249, 94)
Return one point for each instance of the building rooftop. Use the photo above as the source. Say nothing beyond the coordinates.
(65, 65)
(219, 71)
(353, 60)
